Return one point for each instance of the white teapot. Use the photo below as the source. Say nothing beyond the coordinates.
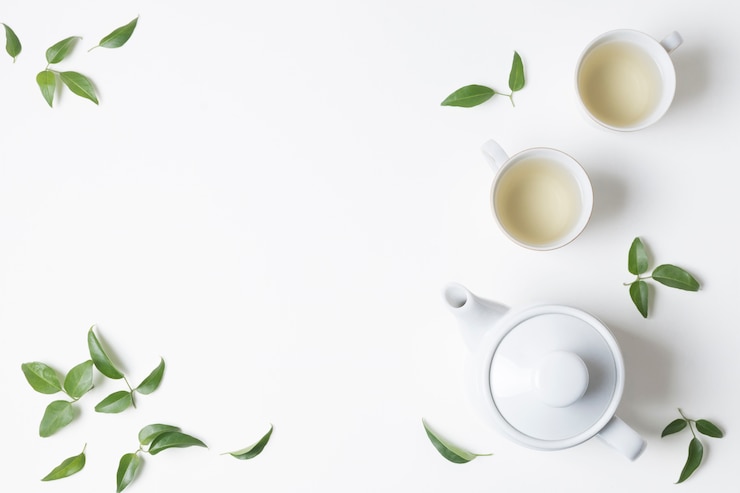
(547, 376)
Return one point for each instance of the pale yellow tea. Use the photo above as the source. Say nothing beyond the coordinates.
(619, 83)
(537, 201)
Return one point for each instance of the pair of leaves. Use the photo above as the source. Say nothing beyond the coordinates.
(44, 379)
(12, 43)
(158, 437)
(448, 450)
(475, 94)
(696, 448)
(121, 400)
(68, 467)
(666, 274)
(75, 81)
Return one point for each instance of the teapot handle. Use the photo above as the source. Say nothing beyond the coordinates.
(619, 435)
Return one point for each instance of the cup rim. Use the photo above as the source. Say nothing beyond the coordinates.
(586, 193)
(667, 71)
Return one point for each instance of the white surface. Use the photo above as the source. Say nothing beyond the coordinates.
(271, 198)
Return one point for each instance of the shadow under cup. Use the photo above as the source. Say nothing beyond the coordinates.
(542, 198)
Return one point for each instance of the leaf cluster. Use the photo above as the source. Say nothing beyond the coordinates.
(153, 439)
(79, 381)
(696, 448)
(447, 449)
(475, 94)
(49, 79)
(666, 274)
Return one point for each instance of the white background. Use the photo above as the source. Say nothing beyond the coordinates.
(270, 197)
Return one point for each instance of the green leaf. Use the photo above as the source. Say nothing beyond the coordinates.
(639, 295)
(150, 432)
(119, 36)
(79, 380)
(469, 96)
(708, 428)
(12, 43)
(58, 52)
(637, 261)
(41, 377)
(67, 468)
(47, 82)
(57, 415)
(170, 439)
(449, 451)
(696, 451)
(115, 403)
(79, 84)
(128, 466)
(516, 76)
(100, 358)
(675, 277)
(253, 450)
(152, 381)
(674, 427)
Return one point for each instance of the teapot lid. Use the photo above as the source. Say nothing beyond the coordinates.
(556, 376)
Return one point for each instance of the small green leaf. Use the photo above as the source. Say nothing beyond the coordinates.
(637, 261)
(12, 43)
(639, 295)
(41, 377)
(100, 358)
(253, 450)
(675, 277)
(79, 380)
(150, 432)
(696, 451)
(469, 96)
(119, 36)
(152, 381)
(57, 415)
(708, 428)
(516, 76)
(115, 403)
(59, 51)
(170, 439)
(80, 85)
(47, 82)
(674, 427)
(128, 466)
(449, 451)
(67, 468)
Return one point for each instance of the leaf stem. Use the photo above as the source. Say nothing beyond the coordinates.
(688, 421)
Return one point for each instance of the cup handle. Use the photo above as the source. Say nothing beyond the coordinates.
(672, 41)
(494, 154)
(619, 435)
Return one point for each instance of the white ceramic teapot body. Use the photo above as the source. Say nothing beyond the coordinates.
(547, 376)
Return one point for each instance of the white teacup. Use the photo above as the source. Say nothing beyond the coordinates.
(541, 198)
(625, 79)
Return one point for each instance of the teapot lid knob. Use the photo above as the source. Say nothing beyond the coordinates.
(560, 379)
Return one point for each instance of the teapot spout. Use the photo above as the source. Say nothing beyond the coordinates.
(474, 314)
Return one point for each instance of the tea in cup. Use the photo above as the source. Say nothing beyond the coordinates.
(625, 79)
(541, 198)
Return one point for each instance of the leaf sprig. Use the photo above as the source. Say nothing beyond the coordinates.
(696, 448)
(121, 400)
(78, 84)
(448, 450)
(475, 94)
(44, 379)
(153, 439)
(666, 274)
